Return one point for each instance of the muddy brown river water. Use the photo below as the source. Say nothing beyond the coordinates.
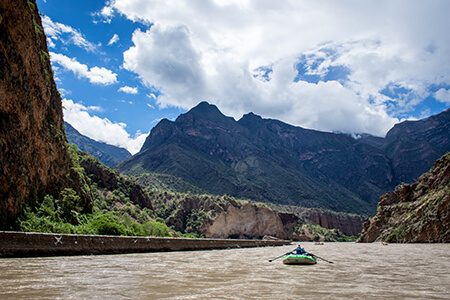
(359, 271)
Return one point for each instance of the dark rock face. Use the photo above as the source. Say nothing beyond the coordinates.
(268, 160)
(417, 213)
(347, 224)
(413, 146)
(108, 155)
(33, 153)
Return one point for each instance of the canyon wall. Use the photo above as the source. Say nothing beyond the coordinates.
(34, 157)
(417, 213)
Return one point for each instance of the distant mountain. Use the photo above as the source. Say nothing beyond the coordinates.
(413, 146)
(109, 155)
(417, 213)
(268, 160)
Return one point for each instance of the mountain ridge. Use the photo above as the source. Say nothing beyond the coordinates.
(271, 161)
(109, 155)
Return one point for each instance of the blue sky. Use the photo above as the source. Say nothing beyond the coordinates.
(347, 66)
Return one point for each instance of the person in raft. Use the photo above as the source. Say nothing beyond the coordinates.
(300, 251)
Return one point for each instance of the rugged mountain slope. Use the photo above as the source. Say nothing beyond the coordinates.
(264, 160)
(413, 146)
(108, 179)
(268, 160)
(414, 213)
(108, 155)
(34, 157)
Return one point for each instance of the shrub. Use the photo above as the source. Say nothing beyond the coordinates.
(107, 224)
(152, 228)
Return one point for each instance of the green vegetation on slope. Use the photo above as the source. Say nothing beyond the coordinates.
(121, 207)
(318, 233)
(113, 213)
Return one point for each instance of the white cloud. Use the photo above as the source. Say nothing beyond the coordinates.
(443, 95)
(113, 40)
(165, 57)
(95, 75)
(66, 34)
(99, 129)
(129, 90)
(214, 51)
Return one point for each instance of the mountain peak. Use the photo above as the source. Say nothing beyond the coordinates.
(250, 120)
(204, 111)
(251, 115)
(205, 108)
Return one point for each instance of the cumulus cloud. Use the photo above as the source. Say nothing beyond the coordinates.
(443, 95)
(66, 34)
(103, 130)
(165, 57)
(113, 40)
(95, 75)
(129, 90)
(337, 66)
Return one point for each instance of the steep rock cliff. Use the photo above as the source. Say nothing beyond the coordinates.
(347, 223)
(33, 154)
(248, 221)
(414, 213)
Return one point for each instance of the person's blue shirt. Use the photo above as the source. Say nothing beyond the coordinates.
(299, 251)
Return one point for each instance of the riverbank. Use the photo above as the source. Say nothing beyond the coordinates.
(32, 244)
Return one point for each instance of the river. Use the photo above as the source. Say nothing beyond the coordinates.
(358, 271)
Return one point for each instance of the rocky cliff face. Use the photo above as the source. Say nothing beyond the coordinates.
(413, 146)
(417, 213)
(346, 223)
(225, 217)
(33, 154)
(248, 221)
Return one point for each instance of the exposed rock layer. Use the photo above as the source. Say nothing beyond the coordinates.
(347, 224)
(247, 221)
(33, 154)
(417, 213)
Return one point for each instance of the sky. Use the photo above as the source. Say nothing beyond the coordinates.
(346, 66)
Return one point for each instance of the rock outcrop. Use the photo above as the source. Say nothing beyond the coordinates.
(417, 213)
(33, 153)
(248, 221)
(348, 224)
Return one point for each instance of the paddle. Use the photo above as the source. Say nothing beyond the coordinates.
(271, 260)
(322, 258)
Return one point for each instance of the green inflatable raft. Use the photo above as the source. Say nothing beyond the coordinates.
(299, 259)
